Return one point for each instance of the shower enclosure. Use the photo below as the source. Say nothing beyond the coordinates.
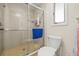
(18, 21)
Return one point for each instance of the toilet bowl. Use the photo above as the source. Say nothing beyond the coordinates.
(53, 44)
(46, 51)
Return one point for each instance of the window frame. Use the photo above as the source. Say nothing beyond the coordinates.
(65, 15)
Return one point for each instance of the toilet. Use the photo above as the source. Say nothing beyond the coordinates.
(53, 44)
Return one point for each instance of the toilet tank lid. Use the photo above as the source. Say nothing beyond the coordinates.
(54, 37)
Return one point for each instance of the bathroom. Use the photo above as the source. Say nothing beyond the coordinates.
(25, 28)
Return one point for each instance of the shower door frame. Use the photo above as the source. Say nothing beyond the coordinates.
(37, 7)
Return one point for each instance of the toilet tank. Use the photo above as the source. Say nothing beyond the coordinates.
(54, 41)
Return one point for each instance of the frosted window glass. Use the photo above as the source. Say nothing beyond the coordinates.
(59, 13)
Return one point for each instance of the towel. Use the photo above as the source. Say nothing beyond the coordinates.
(37, 33)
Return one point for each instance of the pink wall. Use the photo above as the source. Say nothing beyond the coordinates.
(78, 39)
(78, 43)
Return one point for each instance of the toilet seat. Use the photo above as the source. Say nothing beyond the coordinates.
(46, 51)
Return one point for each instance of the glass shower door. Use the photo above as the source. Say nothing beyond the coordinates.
(1, 27)
(15, 25)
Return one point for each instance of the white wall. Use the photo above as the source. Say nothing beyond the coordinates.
(67, 31)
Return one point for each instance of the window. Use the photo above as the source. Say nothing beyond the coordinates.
(59, 13)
